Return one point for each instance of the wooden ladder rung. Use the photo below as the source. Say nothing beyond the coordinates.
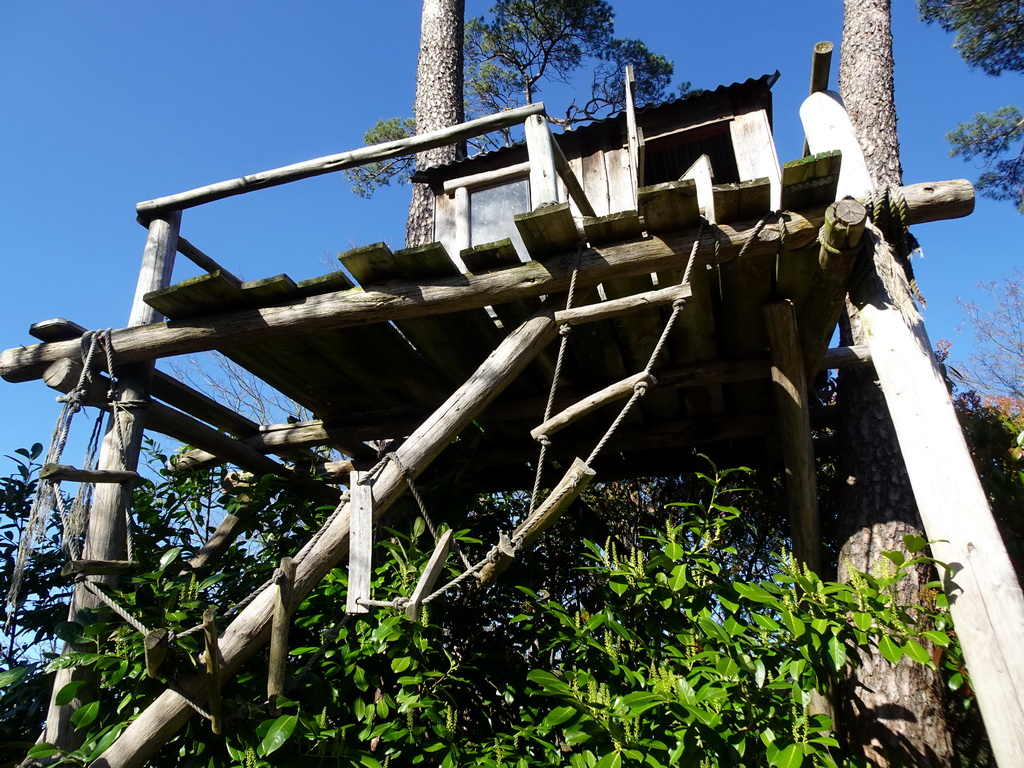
(98, 567)
(75, 475)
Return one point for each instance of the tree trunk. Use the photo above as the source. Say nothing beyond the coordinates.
(439, 102)
(896, 716)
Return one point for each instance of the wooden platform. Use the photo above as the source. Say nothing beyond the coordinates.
(376, 382)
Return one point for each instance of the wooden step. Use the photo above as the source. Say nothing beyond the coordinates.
(73, 474)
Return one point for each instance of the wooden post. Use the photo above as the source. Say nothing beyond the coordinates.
(984, 594)
(543, 188)
(212, 668)
(283, 580)
(789, 378)
(250, 629)
(106, 535)
(821, 64)
(360, 542)
(840, 246)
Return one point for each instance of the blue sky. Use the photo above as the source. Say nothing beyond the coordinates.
(110, 103)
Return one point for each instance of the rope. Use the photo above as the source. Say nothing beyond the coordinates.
(112, 604)
(564, 331)
(48, 495)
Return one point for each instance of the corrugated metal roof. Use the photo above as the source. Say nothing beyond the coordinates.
(691, 98)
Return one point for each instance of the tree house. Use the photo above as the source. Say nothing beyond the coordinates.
(693, 279)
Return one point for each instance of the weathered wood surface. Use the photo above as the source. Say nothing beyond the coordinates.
(339, 162)
(201, 260)
(106, 536)
(429, 576)
(278, 437)
(669, 207)
(543, 185)
(609, 394)
(76, 475)
(360, 543)
(401, 299)
(284, 578)
(250, 629)
(840, 246)
(213, 680)
(98, 568)
(790, 389)
(576, 478)
(984, 594)
(64, 375)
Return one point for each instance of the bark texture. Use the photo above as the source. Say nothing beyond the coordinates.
(895, 715)
(867, 86)
(439, 102)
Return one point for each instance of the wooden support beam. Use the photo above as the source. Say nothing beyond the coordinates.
(984, 594)
(164, 386)
(360, 542)
(201, 260)
(64, 374)
(405, 299)
(213, 683)
(339, 162)
(284, 579)
(562, 495)
(789, 379)
(429, 576)
(310, 434)
(250, 629)
(572, 183)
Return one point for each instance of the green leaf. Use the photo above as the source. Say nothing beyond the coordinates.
(914, 650)
(12, 676)
(754, 592)
(793, 624)
(611, 760)
(897, 557)
(547, 681)
(759, 673)
(766, 622)
(677, 581)
(790, 757)
(169, 557)
(837, 652)
(914, 544)
(940, 639)
(889, 649)
(278, 734)
(558, 716)
(640, 702)
(85, 714)
(43, 750)
(862, 621)
(400, 664)
(69, 692)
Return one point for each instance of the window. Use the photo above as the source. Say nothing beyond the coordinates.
(491, 210)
